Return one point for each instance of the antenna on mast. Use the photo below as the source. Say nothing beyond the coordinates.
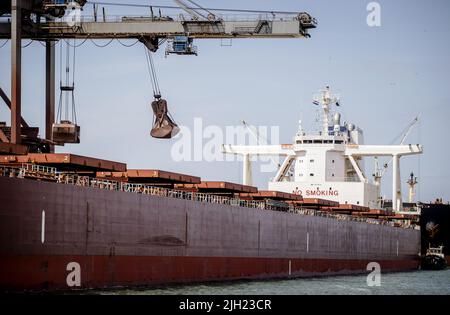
(325, 98)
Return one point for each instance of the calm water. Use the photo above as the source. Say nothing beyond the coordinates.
(417, 282)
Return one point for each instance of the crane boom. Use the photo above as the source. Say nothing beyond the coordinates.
(257, 137)
(379, 172)
(263, 25)
(409, 128)
(137, 27)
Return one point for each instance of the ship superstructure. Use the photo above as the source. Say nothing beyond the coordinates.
(329, 164)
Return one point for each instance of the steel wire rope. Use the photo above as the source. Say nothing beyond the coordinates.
(67, 81)
(152, 73)
(6, 41)
(74, 112)
(177, 7)
(200, 7)
(125, 45)
(26, 45)
(59, 112)
(76, 45)
(51, 45)
(101, 46)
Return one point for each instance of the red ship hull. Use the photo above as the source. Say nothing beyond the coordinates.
(128, 239)
(49, 272)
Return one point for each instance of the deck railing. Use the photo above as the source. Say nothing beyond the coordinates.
(86, 181)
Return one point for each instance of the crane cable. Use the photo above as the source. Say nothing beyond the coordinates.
(152, 73)
(159, 104)
(67, 82)
(74, 113)
(99, 45)
(126, 45)
(74, 45)
(193, 10)
(3, 45)
(200, 7)
(176, 7)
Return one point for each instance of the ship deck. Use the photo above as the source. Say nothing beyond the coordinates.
(210, 192)
(64, 162)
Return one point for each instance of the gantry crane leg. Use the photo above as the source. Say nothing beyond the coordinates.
(49, 90)
(16, 70)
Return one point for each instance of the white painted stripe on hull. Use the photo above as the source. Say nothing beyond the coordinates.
(43, 227)
(307, 242)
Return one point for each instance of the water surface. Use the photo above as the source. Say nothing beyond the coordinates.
(416, 282)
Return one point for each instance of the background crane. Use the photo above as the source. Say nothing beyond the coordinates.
(380, 171)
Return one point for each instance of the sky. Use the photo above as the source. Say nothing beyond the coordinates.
(386, 76)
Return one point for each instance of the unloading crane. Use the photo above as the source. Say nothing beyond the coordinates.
(44, 21)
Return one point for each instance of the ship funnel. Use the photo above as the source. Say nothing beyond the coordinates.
(337, 119)
(337, 123)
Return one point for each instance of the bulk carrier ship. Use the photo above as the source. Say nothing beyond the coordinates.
(75, 222)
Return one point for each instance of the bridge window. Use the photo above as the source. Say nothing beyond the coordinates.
(311, 161)
(311, 174)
